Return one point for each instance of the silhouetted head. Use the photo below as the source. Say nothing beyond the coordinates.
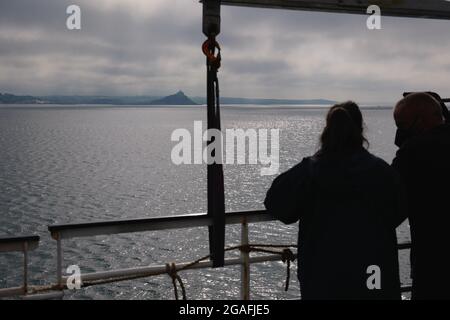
(416, 114)
(343, 132)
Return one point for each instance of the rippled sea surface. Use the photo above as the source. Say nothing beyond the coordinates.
(62, 164)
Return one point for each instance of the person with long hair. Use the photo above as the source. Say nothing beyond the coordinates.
(348, 203)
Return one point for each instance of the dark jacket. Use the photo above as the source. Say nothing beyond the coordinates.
(349, 207)
(424, 165)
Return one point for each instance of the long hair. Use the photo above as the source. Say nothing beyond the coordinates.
(344, 128)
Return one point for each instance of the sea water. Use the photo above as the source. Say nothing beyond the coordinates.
(66, 164)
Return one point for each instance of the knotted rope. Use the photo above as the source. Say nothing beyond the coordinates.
(171, 270)
(287, 256)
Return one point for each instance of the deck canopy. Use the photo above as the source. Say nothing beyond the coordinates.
(430, 9)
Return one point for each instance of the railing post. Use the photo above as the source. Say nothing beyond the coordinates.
(25, 267)
(245, 267)
(59, 258)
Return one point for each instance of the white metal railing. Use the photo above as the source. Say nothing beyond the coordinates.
(60, 232)
(70, 231)
(19, 244)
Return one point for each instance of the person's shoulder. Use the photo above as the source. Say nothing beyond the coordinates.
(378, 162)
(298, 167)
(375, 158)
(304, 163)
(301, 169)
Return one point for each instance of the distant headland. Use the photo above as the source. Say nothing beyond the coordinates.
(179, 98)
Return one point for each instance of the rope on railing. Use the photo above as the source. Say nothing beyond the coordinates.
(286, 255)
(171, 270)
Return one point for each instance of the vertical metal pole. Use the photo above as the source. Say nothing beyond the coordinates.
(216, 201)
(25, 267)
(245, 267)
(59, 258)
(215, 182)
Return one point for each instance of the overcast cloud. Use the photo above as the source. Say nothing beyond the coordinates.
(143, 47)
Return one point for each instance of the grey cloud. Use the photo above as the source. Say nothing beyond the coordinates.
(153, 47)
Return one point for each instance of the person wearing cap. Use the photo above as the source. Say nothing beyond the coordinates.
(423, 162)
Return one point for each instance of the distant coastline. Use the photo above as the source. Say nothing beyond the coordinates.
(178, 98)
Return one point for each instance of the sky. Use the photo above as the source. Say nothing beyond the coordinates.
(143, 47)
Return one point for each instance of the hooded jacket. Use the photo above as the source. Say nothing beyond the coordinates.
(424, 166)
(348, 207)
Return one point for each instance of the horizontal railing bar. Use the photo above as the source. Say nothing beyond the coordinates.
(45, 296)
(13, 244)
(22, 239)
(10, 292)
(159, 270)
(120, 222)
(76, 230)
